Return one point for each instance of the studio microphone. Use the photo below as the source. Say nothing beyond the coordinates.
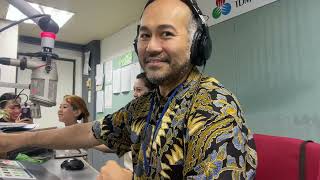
(43, 87)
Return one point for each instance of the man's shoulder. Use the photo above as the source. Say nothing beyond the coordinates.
(141, 102)
(211, 84)
(214, 90)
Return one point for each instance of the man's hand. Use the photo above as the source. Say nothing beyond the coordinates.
(112, 171)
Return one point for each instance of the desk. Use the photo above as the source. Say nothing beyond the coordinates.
(51, 170)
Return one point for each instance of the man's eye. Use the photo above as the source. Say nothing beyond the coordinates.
(144, 36)
(167, 34)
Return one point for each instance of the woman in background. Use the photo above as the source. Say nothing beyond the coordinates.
(141, 87)
(73, 110)
(11, 109)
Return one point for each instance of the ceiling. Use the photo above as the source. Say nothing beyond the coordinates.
(93, 19)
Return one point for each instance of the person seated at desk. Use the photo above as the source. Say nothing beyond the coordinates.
(73, 110)
(191, 127)
(141, 87)
(10, 105)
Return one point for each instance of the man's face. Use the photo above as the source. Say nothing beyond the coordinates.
(163, 41)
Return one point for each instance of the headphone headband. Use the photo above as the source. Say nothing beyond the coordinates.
(201, 45)
(192, 4)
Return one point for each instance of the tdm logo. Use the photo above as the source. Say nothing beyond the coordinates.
(224, 7)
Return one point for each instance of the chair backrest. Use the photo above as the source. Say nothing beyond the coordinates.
(278, 158)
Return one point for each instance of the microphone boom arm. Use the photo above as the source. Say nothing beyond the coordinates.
(44, 77)
(46, 24)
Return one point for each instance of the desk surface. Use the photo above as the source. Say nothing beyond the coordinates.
(51, 170)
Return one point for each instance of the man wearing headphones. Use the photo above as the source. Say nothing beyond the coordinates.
(190, 128)
(194, 127)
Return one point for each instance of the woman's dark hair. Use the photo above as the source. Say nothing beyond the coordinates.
(5, 98)
(144, 78)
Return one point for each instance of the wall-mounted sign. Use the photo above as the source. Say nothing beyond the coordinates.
(125, 59)
(221, 10)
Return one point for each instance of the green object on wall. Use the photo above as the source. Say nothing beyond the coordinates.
(125, 59)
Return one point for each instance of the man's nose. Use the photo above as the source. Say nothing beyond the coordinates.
(154, 45)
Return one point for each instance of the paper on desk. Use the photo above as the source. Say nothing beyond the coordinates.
(30, 126)
(8, 124)
(17, 126)
(10, 169)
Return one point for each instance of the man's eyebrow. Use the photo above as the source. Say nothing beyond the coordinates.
(160, 27)
(143, 28)
(167, 26)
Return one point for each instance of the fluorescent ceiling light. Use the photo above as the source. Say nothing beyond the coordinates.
(59, 16)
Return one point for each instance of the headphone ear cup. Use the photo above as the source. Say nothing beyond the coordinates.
(201, 47)
(206, 45)
(135, 45)
(194, 56)
(135, 41)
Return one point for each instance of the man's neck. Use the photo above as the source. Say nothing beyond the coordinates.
(166, 88)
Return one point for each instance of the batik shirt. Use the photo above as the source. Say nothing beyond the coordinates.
(202, 134)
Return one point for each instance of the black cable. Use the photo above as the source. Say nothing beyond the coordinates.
(15, 99)
(20, 21)
(25, 96)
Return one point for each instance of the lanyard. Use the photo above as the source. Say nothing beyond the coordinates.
(147, 166)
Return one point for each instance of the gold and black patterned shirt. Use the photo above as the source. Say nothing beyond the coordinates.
(202, 134)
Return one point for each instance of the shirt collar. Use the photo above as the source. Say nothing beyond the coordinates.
(192, 79)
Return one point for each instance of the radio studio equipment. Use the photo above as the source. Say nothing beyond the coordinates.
(44, 76)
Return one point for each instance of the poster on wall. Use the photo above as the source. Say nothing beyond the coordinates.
(125, 59)
(222, 10)
(99, 77)
(108, 72)
(116, 81)
(126, 79)
(135, 70)
(99, 101)
(108, 96)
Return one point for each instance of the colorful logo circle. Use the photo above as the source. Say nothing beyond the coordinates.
(222, 8)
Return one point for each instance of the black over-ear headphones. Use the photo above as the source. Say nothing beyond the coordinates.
(201, 44)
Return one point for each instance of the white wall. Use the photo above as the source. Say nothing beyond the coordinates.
(118, 43)
(7, 75)
(8, 49)
(8, 40)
